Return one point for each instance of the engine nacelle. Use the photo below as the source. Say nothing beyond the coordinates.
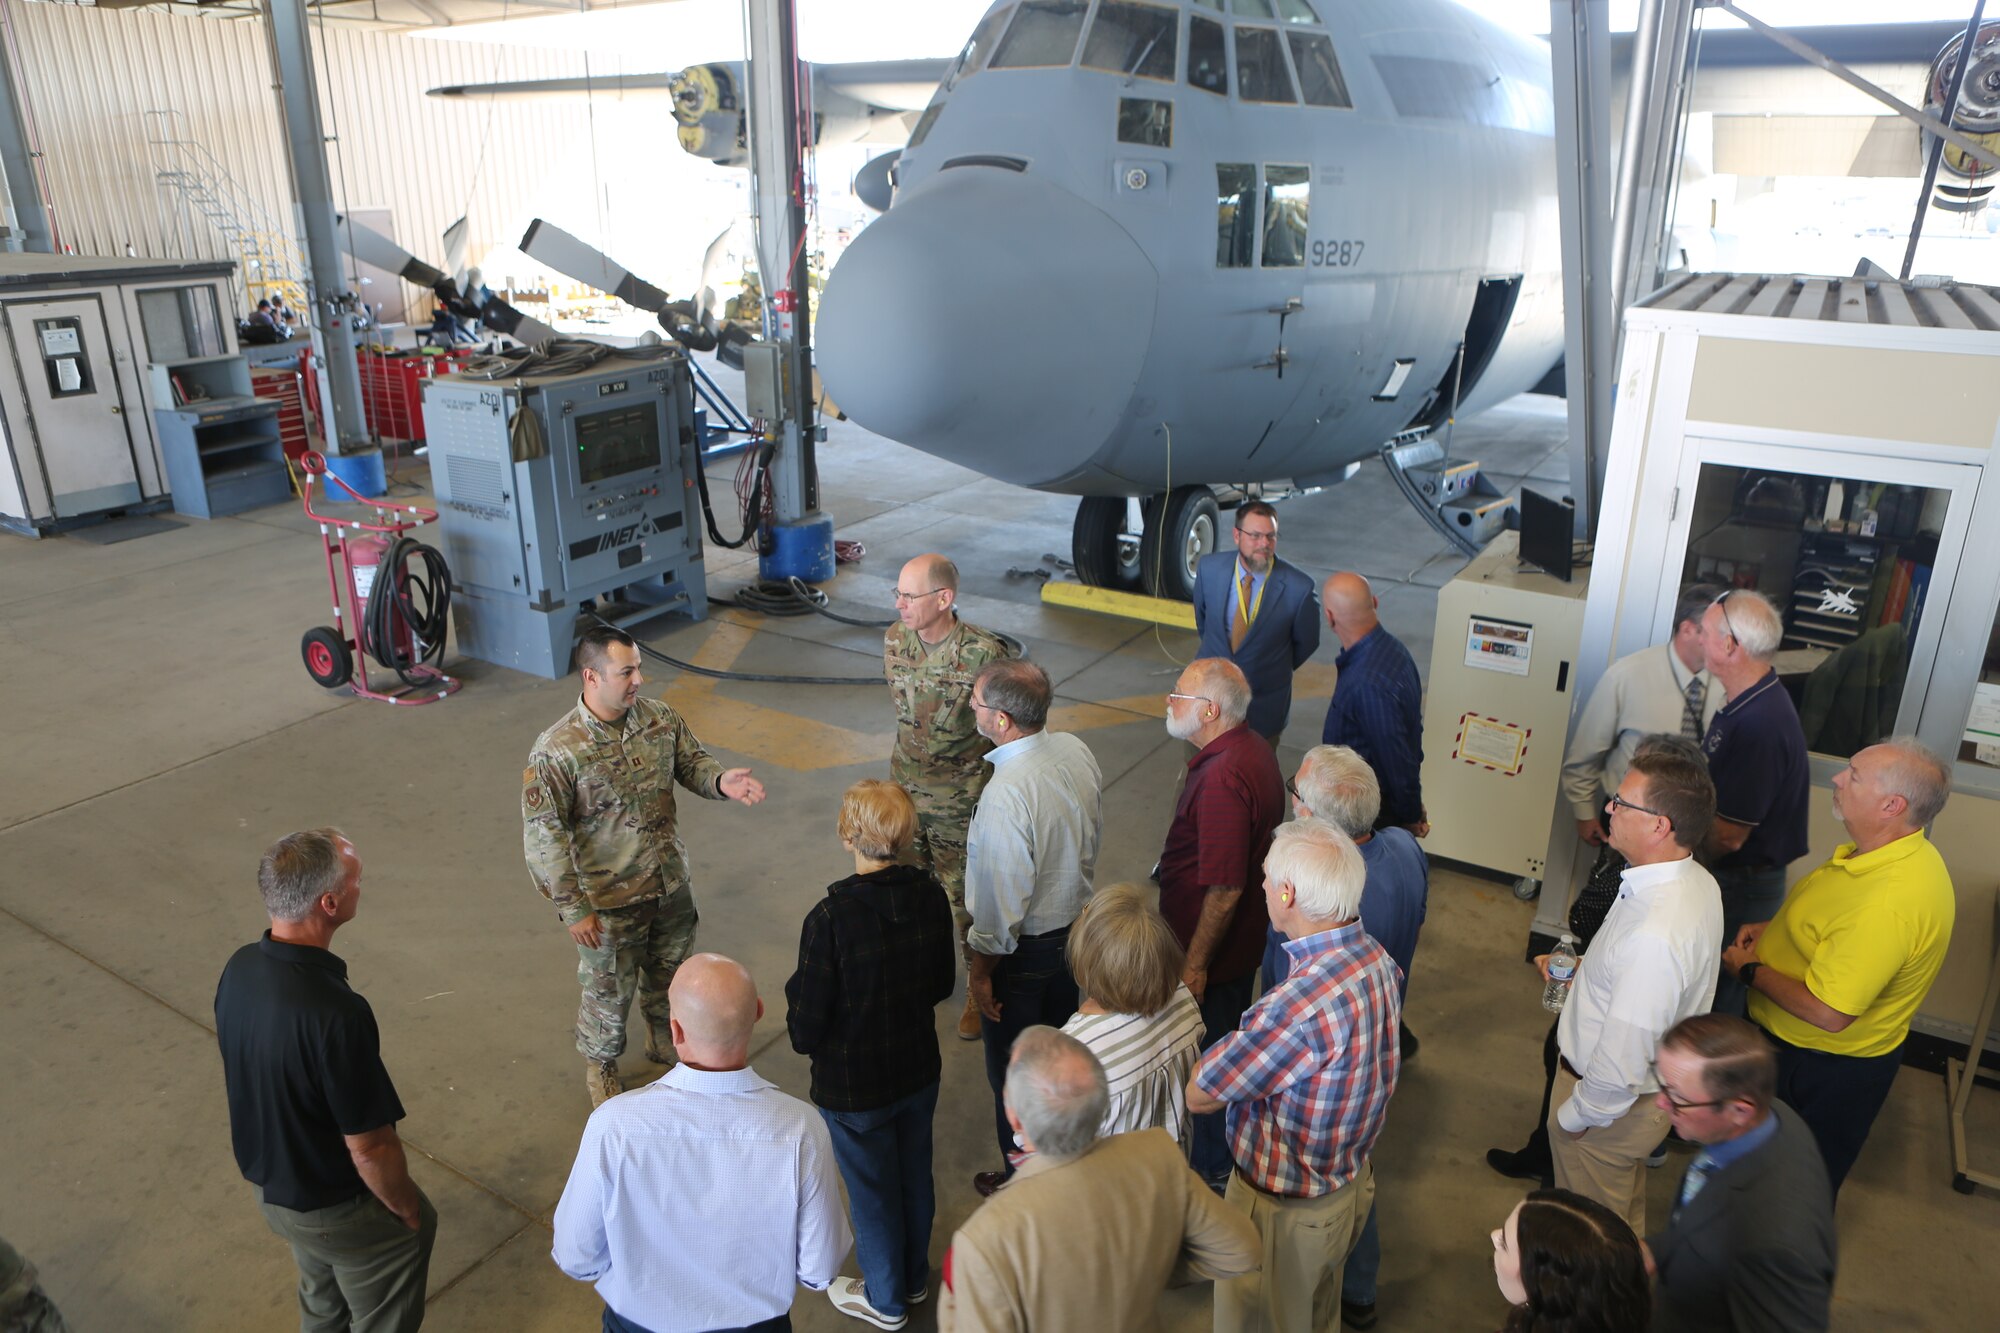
(1978, 116)
(708, 106)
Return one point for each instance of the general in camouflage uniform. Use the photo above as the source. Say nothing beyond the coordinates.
(930, 658)
(597, 808)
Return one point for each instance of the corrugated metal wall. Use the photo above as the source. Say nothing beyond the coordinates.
(90, 78)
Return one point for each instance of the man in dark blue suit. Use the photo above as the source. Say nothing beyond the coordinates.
(1260, 613)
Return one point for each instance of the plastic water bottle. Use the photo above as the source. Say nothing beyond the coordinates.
(1562, 972)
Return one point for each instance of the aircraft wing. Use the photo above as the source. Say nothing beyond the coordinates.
(610, 85)
(894, 85)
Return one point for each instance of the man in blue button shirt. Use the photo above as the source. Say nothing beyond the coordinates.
(1377, 707)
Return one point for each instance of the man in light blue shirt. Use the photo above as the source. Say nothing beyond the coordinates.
(1029, 855)
(700, 1201)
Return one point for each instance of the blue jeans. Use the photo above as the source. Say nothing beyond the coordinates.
(1031, 985)
(1749, 894)
(885, 1159)
(1838, 1096)
(1364, 1261)
(1222, 1006)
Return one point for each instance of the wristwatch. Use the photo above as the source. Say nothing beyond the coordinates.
(1747, 973)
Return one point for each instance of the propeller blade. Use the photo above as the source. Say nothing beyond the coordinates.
(372, 247)
(549, 244)
(497, 315)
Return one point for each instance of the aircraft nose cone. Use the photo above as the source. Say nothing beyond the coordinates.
(992, 319)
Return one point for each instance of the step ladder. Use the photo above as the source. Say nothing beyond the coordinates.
(1458, 501)
(271, 263)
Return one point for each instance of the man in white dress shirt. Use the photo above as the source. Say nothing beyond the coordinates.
(701, 1201)
(1029, 855)
(1648, 968)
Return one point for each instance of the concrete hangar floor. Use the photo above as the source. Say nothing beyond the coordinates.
(161, 732)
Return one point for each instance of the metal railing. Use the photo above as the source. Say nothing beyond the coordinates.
(209, 197)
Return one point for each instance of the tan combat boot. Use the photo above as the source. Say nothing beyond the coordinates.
(659, 1045)
(968, 1022)
(601, 1078)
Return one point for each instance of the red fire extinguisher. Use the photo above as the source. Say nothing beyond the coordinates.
(366, 559)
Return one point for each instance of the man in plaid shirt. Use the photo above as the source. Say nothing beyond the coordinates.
(1307, 1082)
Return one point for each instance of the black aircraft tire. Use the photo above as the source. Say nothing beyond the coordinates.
(1095, 544)
(1181, 527)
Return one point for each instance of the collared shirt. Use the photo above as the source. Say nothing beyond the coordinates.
(597, 807)
(1147, 1059)
(302, 1068)
(1032, 845)
(1377, 710)
(1652, 964)
(1309, 1075)
(1867, 934)
(700, 1201)
(1233, 799)
(1757, 755)
(1394, 902)
(1237, 601)
(1638, 695)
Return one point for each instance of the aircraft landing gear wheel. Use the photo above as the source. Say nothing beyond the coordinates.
(1182, 526)
(1105, 554)
(328, 661)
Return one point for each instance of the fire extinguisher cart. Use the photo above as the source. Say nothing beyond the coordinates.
(356, 556)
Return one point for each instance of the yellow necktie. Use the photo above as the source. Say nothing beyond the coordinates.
(1242, 625)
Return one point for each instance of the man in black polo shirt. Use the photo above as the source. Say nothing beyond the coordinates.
(1757, 756)
(312, 1113)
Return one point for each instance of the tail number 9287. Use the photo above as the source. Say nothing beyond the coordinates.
(1336, 254)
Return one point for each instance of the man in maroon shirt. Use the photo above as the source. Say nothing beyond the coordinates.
(1210, 871)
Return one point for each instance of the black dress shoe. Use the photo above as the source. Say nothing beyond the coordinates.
(1409, 1048)
(988, 1181)
(1521, 1166)
(1357, 1316)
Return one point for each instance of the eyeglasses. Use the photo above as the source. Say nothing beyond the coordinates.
(1202, 698)
(979, 703)
(1727, 623)
(1292, 786)
(905, 598)
(1674, 1101)
(1616, 799)
(1253, 534)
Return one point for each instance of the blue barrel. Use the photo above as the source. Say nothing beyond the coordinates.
(362, 471)
(801, 550)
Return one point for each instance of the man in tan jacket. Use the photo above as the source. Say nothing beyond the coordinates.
(1089, 1231)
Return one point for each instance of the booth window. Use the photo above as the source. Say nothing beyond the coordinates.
(1044, 34)
(1981, 742)
(180, 323)
(978, 46)
(1134, 39)
(1208, 65)
(1261, 75)
(1235, 214)
(1147, 121)
(1287, 211)
(1847, 563)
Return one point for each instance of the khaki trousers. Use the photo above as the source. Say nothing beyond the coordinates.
(1608, 1164)
(1305, 1244)
(360, 1269)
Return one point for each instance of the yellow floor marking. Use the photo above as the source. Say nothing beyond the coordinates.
(1111, 602)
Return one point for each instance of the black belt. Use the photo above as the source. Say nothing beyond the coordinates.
(1057, 933)
(1568, 1068)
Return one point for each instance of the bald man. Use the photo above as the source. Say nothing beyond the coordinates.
(930, 658)
(1377, 706)
(699, 1201)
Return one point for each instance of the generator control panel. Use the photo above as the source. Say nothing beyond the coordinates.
(563, 493)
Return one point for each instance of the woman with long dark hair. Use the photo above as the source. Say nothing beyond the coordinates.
(1568, 1264)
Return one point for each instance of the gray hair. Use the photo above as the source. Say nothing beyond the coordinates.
(1919, 777)
(1337, 785)
(298, 869)
(1018, 688)
(1222, 683)
(1057, 1091)
(1752, 621)
(1323, 867)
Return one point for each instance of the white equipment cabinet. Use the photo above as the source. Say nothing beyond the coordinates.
(1496, 714)
(78, 335)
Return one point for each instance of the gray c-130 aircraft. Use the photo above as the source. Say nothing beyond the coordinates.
(1142, 249)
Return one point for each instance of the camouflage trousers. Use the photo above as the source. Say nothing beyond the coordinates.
(640, 950)
(940, 845)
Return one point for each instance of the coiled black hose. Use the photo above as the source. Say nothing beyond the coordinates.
(420, 598)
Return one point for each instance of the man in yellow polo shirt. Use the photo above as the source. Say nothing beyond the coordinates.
(1837, 974)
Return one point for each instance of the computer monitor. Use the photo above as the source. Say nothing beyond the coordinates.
(1548, 533)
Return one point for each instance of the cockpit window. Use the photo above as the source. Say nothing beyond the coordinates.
(1044, 33)
(1208, 65)
(1287, 204)
(924, 123)
(1215, 5)
(1253, 9)
(979, 47)
(1297, 11)
(1133, 39)
(1235, 214)
(1319, 70)
(1261, 75)
(1147, 121)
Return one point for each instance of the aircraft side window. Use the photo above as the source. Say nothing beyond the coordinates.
(1235, 214)
(1044, 34)
(1319, 69)
(979, 47)
(1297, 11)
(924, 123)
(1146, 120)
(1261, 75)
(1287, 211)
(1208, 64)
(1129, 38)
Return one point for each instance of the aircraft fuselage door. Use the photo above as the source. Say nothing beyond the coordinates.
(76, 411)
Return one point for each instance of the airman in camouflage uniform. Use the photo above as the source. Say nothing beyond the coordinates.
(930, 658)
(24, 1306)
(597, 806)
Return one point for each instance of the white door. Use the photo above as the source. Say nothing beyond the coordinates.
(76, 411)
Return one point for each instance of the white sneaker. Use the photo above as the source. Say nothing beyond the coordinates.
(850, 1296)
